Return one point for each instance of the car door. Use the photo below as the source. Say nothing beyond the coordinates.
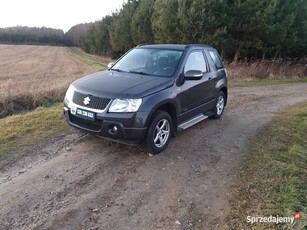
(195, 94)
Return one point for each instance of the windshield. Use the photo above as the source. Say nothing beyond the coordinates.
(156, 62)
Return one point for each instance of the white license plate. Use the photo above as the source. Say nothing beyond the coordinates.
(85, 114)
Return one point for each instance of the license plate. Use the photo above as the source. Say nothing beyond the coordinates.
(85, 114)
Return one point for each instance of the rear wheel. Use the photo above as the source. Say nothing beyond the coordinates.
(219, 105)
(159, 132)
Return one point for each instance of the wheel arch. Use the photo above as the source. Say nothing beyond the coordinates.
(168, 107)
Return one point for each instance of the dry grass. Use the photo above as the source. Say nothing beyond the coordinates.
(267, 70)
(31, 76)
(97, 57)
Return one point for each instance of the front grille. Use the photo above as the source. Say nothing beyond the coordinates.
(92, 125)
(94, 102)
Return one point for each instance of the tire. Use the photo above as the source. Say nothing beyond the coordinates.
(160, 132)
(219, 105)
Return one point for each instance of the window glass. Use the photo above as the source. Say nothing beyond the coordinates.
(196, 61)
(154, 62)
(216, 59)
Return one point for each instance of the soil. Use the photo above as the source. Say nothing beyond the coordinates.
(79, 181)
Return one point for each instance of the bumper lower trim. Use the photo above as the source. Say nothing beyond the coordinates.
(102, 128)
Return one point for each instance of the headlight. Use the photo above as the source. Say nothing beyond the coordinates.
(70, 93)
(125, 105)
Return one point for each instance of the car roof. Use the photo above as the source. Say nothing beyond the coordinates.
(173, 46)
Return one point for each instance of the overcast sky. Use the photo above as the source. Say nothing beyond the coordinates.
(58, 14)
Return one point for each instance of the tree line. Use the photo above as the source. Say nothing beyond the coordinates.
(34, 35)
(239, 29)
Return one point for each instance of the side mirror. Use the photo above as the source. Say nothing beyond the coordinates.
(110, 65)
(193, 75)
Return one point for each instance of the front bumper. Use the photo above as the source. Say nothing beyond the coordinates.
(120, 127)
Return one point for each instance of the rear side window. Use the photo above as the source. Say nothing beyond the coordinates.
(216, 59)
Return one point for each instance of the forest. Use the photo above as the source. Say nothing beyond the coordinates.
(239, 29)
(33, 35)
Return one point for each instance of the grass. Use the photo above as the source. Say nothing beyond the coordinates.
(273, 178)
(264, 82)
(97, 57)
(83, 58)
(30, 128)
(102, 58)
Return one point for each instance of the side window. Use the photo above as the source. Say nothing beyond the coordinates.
(216, 59)
(196, 61)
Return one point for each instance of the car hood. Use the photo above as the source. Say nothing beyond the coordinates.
(113, 84)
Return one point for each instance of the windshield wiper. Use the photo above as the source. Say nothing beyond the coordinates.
(118, 70)
(142, 73)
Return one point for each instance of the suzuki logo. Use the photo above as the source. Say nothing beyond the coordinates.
(86, 100)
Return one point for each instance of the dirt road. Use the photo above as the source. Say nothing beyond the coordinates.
(98, 184)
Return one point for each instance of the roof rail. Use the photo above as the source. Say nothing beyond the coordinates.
(144, 44)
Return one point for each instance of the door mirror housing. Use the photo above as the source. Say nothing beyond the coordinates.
(193, 75)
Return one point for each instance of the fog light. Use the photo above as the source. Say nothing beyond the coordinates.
(113, 130)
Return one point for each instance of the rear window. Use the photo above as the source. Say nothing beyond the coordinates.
(216, 59)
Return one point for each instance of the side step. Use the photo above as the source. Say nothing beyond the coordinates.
(191, 122)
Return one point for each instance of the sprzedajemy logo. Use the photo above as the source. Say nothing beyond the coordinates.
(273, 219)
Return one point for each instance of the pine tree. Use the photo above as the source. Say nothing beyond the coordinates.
(121, 37)
(165, 21)
(141, 25)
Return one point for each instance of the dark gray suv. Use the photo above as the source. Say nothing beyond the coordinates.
(149, 94)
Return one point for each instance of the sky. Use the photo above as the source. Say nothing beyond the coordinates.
(57, 14)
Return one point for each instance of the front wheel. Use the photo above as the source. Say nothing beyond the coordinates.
(159, 132)
(219, 105)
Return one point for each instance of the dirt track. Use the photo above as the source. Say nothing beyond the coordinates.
(98, 184)
(92, 58)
